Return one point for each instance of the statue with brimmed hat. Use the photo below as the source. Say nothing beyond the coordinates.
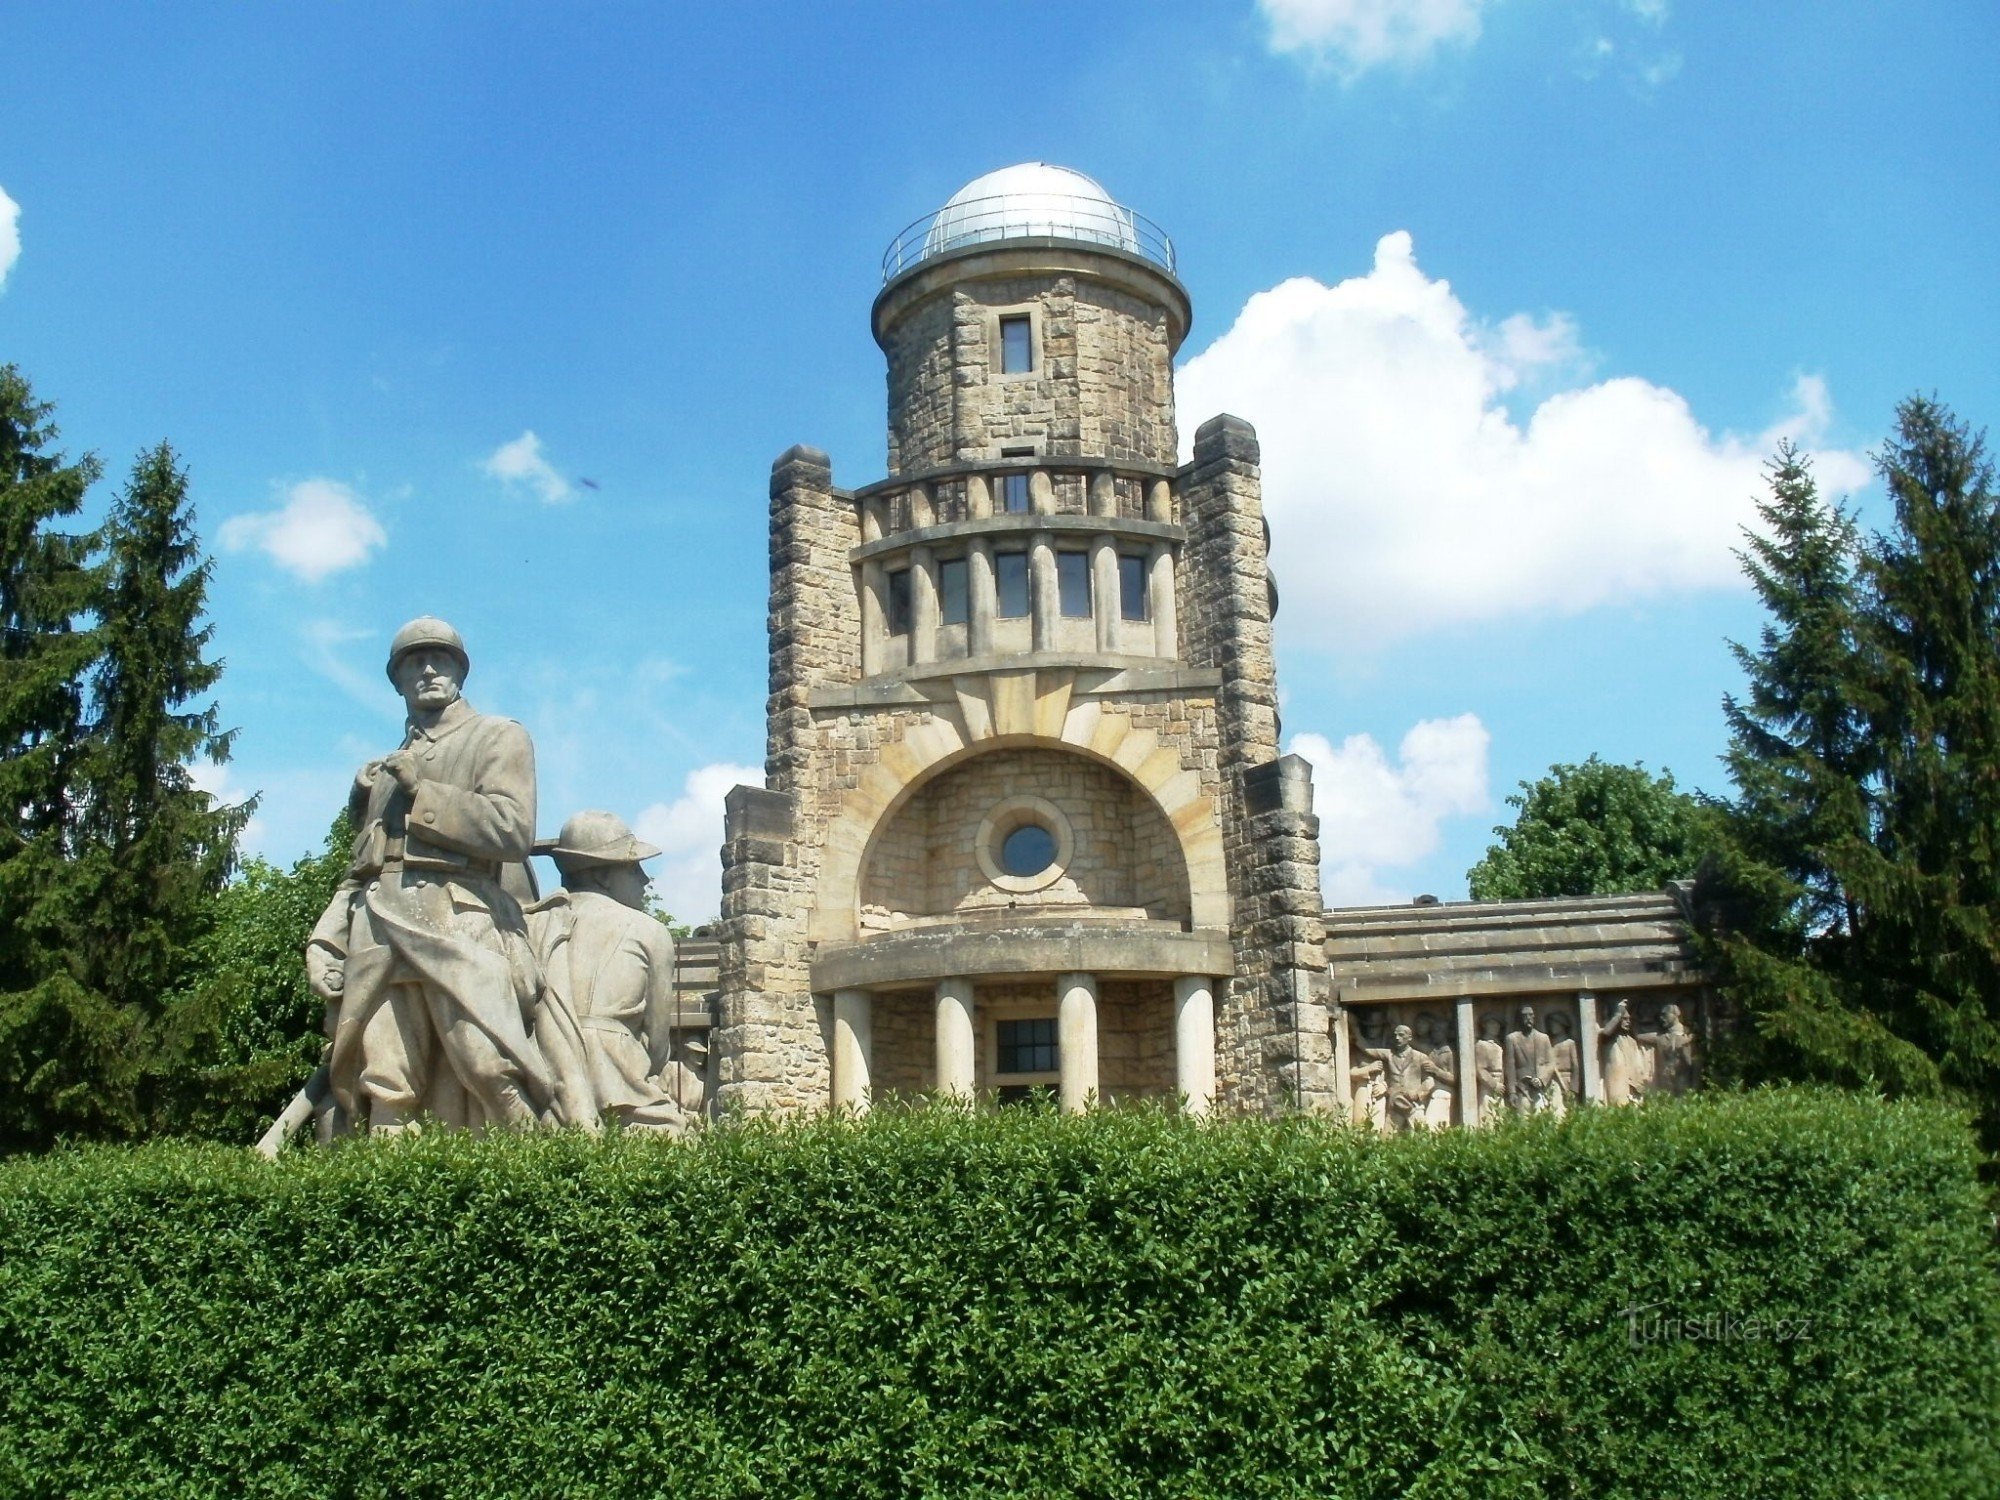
(606, 960)
(422, 956)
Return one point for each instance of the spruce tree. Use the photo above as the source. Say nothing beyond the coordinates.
(155, 849)
(57, 1037)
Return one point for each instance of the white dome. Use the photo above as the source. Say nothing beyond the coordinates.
(1033, 198)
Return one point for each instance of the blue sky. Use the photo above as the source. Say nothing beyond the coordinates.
(1519, 293)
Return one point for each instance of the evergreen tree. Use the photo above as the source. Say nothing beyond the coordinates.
(155, 849)
(57, 1037)
(1592, 830)
(1854, 911)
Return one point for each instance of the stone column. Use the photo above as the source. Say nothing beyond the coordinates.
(853, 1049)
(1076, 1039)
(1343, 1058)
(1104, 600)
(1160, 501)
(874, 617)
(954, 1038)
(1588, 1060)
(1103, 493)
(1043, 604)
(1194, 1043)
(978, 496)
(923, 605)
(1160, 603)
(984, 598)
(1041, 492)
(1468, 1065)
(921, 511)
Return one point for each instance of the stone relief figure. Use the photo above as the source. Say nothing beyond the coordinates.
(1432, 1036)
(1628, 1065)
(1531, 1065)
(1673, 1066)
(423, 955)
(1569, 1062)
(611, 964)
(1489, 1062)
(1409, 1079)
(1366, 1077)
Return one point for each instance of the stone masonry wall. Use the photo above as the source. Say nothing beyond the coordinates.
(1103, 383)
(1124, 854)
(1272, 1043)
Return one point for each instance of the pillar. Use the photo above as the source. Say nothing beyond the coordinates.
(923, 605)
(1343, 1059)
(954, 1038)
(984, 598)
(1103, 493)
(853, 1049)
(1468, 1065)
(1042, 601)
(921, 511)
(1194, 1043)
(874, 618)
(1041, 492)
(1160, 603)
(1076, 1039)
(1159, 501)
(1588, 1059)
(978, 496)
(1104, 600)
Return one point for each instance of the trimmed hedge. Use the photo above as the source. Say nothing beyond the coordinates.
(942, 1303)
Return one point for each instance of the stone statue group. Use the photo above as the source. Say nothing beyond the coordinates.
(452, 994)
(1410, 1078)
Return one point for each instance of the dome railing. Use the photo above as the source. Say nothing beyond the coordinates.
(1018, 216)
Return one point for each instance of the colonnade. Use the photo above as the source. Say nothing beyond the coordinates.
(1076, 1035)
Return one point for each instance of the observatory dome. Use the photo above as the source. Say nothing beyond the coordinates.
(1031, 200)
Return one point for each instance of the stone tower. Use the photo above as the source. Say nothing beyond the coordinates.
(1024, 822)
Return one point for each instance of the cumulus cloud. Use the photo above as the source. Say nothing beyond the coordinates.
(323, 528)
(687, 878)
(1375, 814)
(10, 234)
(1405, 495)
(521, 463)
(1352, 36)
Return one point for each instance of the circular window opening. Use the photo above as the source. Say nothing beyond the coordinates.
(1028, 850)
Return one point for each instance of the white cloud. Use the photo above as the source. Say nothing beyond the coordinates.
(1404, 496)
(10, 234)
(221, 785)
(521, 463)
(1352, 36)
(687, 877)
(1375, 815)
(323, 528)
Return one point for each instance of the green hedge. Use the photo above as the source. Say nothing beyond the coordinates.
(947, 1304)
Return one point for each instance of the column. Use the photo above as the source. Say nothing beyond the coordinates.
(921, 513)
(1160, 603)
(984, 598)
(1588, 1059)
(853, 1048)
(978, 497)
(1076, 1039)
(1159, 501)
(1041, 492)
(1104, 591)
(1103, 493)
(1042, 601)
(1468, 1065)
(874, 619)
(1194, 1043)
(1343, 1058)
(871, 519)
(923, 605)
(954, 1038)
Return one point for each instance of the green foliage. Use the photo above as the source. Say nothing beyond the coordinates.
(1854, 912)
(1019, 1304)
(245, 1031)
(1592, 830)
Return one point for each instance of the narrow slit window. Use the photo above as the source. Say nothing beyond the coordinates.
(1073, 584)
(1131, 587)
(1010, 584)
(899, 602)
(1017, 347)
(954, 592)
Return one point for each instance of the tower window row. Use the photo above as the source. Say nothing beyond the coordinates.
(1012, 580)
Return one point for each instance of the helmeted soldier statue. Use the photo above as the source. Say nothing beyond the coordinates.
(423, 954)
(610, 963)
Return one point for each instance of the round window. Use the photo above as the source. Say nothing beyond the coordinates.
(1028, 850)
